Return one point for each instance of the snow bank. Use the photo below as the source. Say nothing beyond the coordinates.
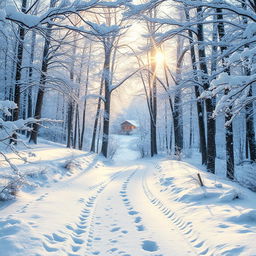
(41, 166)
(47, 201)
(224, 208)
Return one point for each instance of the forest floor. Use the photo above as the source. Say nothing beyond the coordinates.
(83, 205)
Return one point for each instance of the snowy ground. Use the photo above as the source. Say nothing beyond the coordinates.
(129, 207)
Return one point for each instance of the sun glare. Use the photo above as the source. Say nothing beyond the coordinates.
(160, 57)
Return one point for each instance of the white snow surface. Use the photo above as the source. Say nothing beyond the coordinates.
(85, 205)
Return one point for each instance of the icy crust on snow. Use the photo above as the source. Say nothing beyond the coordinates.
(223, 212)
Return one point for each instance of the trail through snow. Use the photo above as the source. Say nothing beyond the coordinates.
(124, 209)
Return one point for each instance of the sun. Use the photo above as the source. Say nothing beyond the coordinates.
(160, 58)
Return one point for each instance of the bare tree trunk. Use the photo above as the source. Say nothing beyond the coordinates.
(21, 38)
(30, 73)
(190, 124)
(24, 107)
(199, 102)
(209, 103)
(12, 78)
(250, 130)
(77, 133)
(18, 64)
(71, 103)
(249, 112)
(153, 88)
(70, 124)
(106, 117)
(96, 121)
(105, 138)
(85, 100)
(99, 132)
(77, 128)
(38, 109)
(153, 100)
(177, 106)
(166, 128)
(81, 142)
(40, 94)
(228, 114)
(177, 124)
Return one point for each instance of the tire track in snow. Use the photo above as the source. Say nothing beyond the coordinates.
(78, 236)
(186, 228)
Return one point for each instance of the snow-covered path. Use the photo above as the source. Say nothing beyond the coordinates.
(119, 217)
(130, 208)
(122, 220)
(105, 211)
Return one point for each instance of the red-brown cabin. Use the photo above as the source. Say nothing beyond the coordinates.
(128, 126)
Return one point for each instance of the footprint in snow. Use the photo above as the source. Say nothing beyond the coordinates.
(42, 197)
(241, 231)
(79, 231)
(76, 248)
(58, 238)
(133, 212)
(81, 200)
(49, 248)
(149, 246)
(113, 249)
(77, 240)
(223, 226)
(113, 241)
(140, 228)
(137, 219)
(35, 216)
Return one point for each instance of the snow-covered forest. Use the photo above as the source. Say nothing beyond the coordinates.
(180, 73)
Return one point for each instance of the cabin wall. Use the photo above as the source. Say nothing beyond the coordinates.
(127, 128)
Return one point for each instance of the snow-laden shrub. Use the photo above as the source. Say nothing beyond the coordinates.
(245, 175)
(143, 144)
(187, 152)
(179, 155)
(11, 183)
(72, 165)
(229, 196)
(112, 147)
(11, 189)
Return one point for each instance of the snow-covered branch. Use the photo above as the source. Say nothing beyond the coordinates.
(64, 8)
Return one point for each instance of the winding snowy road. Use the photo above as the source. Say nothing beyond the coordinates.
(128, 208)
(120, 219)
(122, 216)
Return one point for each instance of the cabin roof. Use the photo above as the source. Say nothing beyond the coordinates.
(132, 122)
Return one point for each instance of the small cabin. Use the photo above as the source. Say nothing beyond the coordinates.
(128, 126)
